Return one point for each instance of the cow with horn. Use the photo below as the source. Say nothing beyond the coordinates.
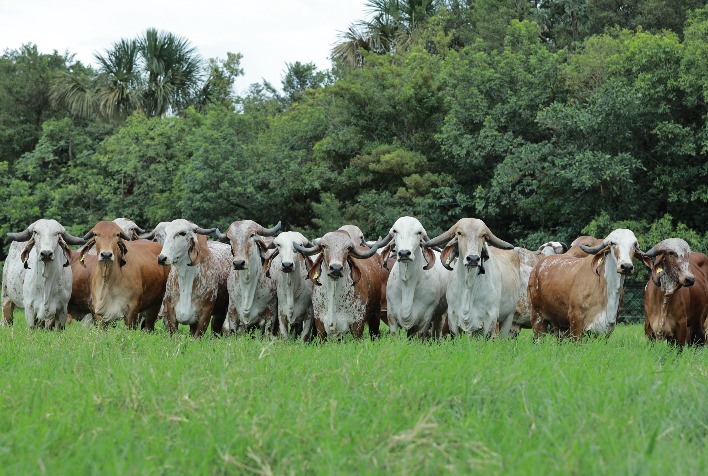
(416, 287)
(676, 295)
(252, 295)
(37, 274)
(348, 286)
(484, 288)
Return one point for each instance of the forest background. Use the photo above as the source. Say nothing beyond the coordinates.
(547, 119)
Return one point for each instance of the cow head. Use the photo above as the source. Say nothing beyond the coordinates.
(405, 238)
(246, 239)
(356, 234)
(109, 241)
(468, 238)
(284, 245)
(552, 248)
(671, 265)
(621, 245)
(333, 250)
(129, 228)
(46, 236)
(183, 240)
(157, 234)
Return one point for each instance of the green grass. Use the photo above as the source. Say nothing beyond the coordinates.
(86, 401)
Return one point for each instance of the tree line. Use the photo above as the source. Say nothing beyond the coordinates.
(547, 119)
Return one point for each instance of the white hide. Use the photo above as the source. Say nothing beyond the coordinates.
(160, 233)
(13, 277)
(415, 297)
(128, 226)
(336, 303)
(294, 289)
(189, 285)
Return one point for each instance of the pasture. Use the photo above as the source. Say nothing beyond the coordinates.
(86, 401)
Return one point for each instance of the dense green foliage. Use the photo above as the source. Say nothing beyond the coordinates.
(86, 401)
(546, 119)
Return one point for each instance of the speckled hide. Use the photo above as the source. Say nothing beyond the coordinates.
(196, 287)
(416, 287)
(13, 277)
(46, 285)
(573, 295)
(676, 295)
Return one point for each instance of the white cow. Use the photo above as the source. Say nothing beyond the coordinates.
(129, 227)
(252, 295)
(288, 269)
(46, 280)
(196, 286)
(485, 284)
(416, 287)
(157, 233)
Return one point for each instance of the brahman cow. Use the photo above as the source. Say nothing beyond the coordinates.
(348, 292)
(252, 295)
(196, 286)
(289, 270)
(127, 279)
(484, 289)
(37, 275)
(676, 296)
(415, 292)
(157, 234)
(129, 227)
(576, 295)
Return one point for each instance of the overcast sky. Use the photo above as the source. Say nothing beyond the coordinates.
(268, 33)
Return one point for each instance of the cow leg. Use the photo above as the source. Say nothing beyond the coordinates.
(306, 334)
(357, 329)
(452, 324)
(577, 324)
(392, 323)
(506, 326)
(29, 317)
(169, 316)
(149, 317)
(283, 326)
(445, 328)
(202, 323)
(7, 309)
(538, 324)
(374, 327)
(217, 323)
(321, 332)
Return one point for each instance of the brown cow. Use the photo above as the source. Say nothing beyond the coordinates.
(348, 286)
(575, 295)
(122, 286)
(676, 296)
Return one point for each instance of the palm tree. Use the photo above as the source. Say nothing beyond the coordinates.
(393, 26)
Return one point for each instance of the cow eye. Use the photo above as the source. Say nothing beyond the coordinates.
(394, 232)
(182, 233)
(459, 233)
(117, 235)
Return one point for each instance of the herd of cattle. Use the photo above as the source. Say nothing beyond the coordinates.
(464, 281)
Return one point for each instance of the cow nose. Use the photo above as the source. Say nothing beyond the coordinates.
(162, 259)
(404, 254)
(688, 282)
(472, 260)
(287, 266)
(627, 268)
(239, 264)
(335, 270)
(46, 255)
(106, 255)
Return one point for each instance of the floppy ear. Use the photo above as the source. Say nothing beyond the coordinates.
(194, 255)
(485, 252)
(598, 259)
(262, 250)
(315, 270)
(123, 252)
(648, 263)
(449, 254)
(429, 257)
(268, 261)
(354, 270)
(384, 254)
(85, 249)
(26, 252)
(657, 270)
(67, 251)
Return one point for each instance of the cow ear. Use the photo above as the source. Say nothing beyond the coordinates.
(25, 253)
(262, 250)
(85, 249)
(648, 263)
(268, 261)
(447, 257)
(315, 270)
(485, 253)
(195, 257)
(354, 270)
(66, 250)
(597, 261)
(384, 254)
(123, 252)
(429, 257)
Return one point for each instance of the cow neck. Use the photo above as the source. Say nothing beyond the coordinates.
(102, 281)
(43, 278)
(410, 272)
(248, 280)
(292, 282)
(187, 276)
(613, 286)
(473, 283)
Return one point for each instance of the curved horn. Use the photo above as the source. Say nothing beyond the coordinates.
(204, 231)
(564, 246)
(124, 236)
(270, 231)
(148, 236)
(652, 253)
(221, 237)
(306, 251)
(138, 229)
(367, 254)
(21, 236)
(593, 249)
(89, 235)
(498, 242)
(440, 239)
(71, 239)
(383, 241)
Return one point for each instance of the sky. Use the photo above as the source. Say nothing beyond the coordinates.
(268, 33)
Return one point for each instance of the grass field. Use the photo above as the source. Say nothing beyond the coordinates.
(85, 401)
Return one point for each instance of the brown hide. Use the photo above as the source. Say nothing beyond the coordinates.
(680, 317)
(80, 302)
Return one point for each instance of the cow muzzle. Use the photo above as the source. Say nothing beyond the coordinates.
(404, 255)
(625, 269)
(239, 264)
(688, 281)
(162, 260)
(472, 261)
(106, 256)
(335, 271)
(46, 256)
(288, 267)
